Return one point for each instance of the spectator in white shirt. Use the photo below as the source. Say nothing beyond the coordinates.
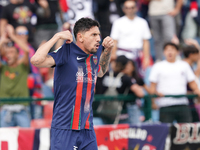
(131, 35)
(170, 77)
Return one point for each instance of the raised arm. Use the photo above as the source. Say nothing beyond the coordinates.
(108, 44)
(41, 57)
(65, 27)
(23, 45)
(3, 40)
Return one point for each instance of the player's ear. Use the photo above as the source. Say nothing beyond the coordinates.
(80, 37)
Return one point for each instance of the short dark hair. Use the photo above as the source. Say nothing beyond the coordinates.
(84, 24)
(190, 49)
(121, 62)
(170, 44)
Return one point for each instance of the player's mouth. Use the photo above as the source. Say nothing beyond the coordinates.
(97, 46)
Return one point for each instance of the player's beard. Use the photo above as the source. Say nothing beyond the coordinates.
(93, 51)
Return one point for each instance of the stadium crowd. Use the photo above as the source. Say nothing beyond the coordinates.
(156, 52)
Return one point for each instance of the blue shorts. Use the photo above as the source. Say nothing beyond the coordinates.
(67, 139)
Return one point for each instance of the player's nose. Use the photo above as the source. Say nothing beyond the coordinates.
(98, 38)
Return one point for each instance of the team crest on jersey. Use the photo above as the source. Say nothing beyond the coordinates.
(95, 59)
(57, 49)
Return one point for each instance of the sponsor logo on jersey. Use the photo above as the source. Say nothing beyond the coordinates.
(79, 58)
(75, 147)
(82, 77)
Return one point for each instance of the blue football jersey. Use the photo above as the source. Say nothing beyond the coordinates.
(74, 83)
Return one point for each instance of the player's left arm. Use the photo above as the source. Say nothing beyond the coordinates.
(108, 44)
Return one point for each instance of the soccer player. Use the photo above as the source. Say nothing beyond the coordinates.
(76, 69)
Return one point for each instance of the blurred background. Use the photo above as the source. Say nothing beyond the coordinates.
(140, 30)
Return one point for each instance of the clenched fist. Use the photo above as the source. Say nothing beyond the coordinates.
(65, 35)
(108, 43)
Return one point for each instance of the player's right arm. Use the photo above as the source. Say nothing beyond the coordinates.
(41, 57)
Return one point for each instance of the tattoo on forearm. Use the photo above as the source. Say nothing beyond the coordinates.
(104, 60)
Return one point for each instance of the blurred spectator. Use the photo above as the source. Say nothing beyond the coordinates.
(106, 12)
(34, 77)
(3, 3)
(131, 34)
(143, 8)
(22, 34)
(191, 53)
(21, 12)
(161, 16)
(46, 27)
(14, 83)
(116, 82)
(170, 77)
(131, 71)
(63, 5)
(191, 19)
(102, 14)
(47, 87)
(62, 16)
(49, 82)
(78, 9)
